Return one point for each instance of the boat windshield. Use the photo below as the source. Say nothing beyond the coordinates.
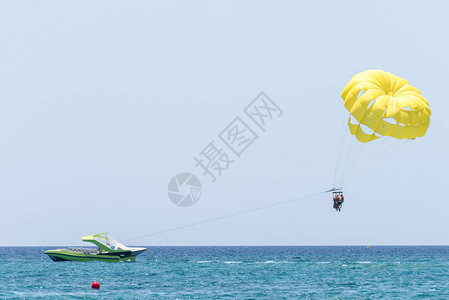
(110, 243)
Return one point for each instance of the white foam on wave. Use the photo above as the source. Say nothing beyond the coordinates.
(273, 262)
(363, 262)
(232, 262)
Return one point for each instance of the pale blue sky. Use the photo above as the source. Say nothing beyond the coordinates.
(103, 102)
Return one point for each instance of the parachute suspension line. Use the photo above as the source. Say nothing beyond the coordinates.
(349, 154)
(346, 163)
(342, 157)
(373, 157)
(355, 154)
(396, 148)
(227, 216)
(349, 178)
(343, 134)
(339, 153)
(387, 146)
(350, 168)
(380, 158)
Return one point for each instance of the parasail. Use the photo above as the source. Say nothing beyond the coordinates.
(382, 104)
(381, 107)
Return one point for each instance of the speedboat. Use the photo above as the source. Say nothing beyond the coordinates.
(107, 249)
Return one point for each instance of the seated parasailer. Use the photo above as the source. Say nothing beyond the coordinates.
(338, 200)
(341, 200)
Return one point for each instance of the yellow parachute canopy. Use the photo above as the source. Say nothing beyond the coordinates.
(384, 105)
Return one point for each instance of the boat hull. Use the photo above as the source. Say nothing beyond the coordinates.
(56, 255)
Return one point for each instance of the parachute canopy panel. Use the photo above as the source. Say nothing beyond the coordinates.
(382, 104)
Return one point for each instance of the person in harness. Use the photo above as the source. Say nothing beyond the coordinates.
(338, 200)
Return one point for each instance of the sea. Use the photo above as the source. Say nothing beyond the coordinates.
(328, 272)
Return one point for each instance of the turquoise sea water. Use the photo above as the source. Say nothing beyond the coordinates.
(233, 273)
